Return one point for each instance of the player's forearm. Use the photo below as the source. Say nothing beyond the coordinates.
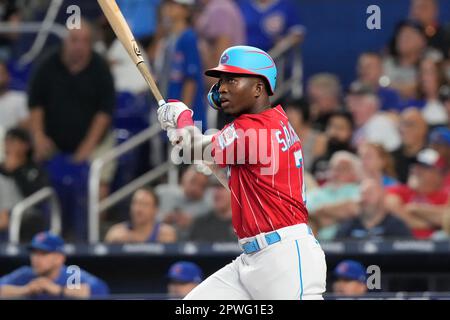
(8, 291)
(198, 144)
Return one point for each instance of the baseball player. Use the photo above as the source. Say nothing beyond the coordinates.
(263, 160)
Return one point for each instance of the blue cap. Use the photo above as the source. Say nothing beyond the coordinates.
(351, 270)
(185, 271)
(47, 241)
(440, 135)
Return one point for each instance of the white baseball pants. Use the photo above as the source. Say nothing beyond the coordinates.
(293, 268)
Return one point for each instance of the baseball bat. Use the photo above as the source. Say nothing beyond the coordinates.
(125, 36)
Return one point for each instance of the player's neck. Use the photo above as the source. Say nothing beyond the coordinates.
(260, 107)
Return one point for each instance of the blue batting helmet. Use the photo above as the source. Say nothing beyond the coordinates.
(249, 61)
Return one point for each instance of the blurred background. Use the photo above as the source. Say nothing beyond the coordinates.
(82, 154)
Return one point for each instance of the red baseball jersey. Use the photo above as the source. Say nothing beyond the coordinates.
(264, 161)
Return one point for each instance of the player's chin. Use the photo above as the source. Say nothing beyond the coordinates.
(229, 109)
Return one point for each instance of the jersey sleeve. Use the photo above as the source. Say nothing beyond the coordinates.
(18, 277)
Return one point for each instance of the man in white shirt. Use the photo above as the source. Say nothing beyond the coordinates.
(13, 106)
(371, 125)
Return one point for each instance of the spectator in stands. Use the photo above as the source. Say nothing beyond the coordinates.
(413, 133)
(271, 22)
(220, 25)
(422, 202)
(408, 47)
(324, 94)
(13, 106)
(338, 199)
(178, 62)
(216, 226)
(431, 79)
(71, 98)
(371, 125)
(313, 141)
(9, 12)
(350, 279)
(377, 163)
(440, 141)
(426, 12)
(339, 131)
(444, 96)
(373, 221)
(143, 226)
(370, 73)
(183, 277)
(19, 178)
(179, 205)
(48, 277)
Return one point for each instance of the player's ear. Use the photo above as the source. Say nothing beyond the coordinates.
(259, 88)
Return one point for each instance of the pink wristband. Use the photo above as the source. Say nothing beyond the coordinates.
(185, 119)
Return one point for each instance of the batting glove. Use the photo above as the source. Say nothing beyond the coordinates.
(169, 113)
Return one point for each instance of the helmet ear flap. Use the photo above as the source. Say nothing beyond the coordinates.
(214, 97)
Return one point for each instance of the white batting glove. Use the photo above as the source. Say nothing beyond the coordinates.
(174, 136)
(168, 113)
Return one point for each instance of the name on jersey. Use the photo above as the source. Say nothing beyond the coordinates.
(286, 137)
(227, 137)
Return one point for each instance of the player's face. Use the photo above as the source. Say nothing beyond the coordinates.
(143, 207)
(180, 290)
(237, 93)
(44, 263)
(344, 287)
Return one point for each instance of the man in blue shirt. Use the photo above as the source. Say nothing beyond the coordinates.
(183, 277)
(48, 277)
(179, 64)
(370, 73)
(270, 21)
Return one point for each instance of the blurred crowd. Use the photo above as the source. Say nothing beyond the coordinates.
(377, 154)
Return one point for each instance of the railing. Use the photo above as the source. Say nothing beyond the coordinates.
(19, 210)
(95, 205)
(288, 54)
